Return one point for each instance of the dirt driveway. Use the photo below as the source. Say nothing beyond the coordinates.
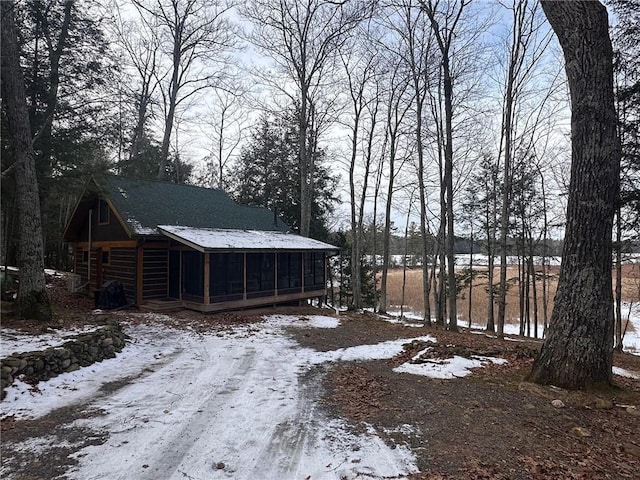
(299, 397)
(240, 403)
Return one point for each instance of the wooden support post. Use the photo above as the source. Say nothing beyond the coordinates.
(207, 266)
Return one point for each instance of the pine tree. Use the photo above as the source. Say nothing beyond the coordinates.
(268, 173)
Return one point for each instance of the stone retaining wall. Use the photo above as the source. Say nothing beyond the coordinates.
(83, 350)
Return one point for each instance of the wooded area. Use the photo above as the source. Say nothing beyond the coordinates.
(375, 126)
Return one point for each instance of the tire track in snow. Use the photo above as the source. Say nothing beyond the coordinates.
(240, 401)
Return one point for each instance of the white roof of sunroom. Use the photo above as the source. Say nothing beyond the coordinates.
(213, 239)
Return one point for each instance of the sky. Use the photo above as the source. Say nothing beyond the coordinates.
(194, 132)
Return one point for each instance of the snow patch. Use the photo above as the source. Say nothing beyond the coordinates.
(625, 373)
(379, 351)
(447, 368)
(13, 341)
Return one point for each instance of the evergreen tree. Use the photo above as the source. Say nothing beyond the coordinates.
(69, 92)
(268, 175)
(626, 39)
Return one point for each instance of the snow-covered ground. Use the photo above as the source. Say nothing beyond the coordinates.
(240, 404)
(13, 341)
(219, 405)
(630, 325)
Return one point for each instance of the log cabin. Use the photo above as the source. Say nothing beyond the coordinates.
(181, 246)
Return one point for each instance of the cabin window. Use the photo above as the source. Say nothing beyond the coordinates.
(226, 277)
(105, 257)
(103, 212)
(261, 274)
(289, 272)
(314, 270)
(85, 256)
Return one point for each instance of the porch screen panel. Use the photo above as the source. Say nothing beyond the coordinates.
(289, 272)
(314, 271)
(193, 276)
(226, 277)
(319, 270)
(261, 275)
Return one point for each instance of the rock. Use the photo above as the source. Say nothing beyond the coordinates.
(603, 404)
(107, 341)
(631, 449)
(557, 403)
(581, 432)
(11, 362)
(635, 411)
(220, 465)
(72, 368)
(65, 363)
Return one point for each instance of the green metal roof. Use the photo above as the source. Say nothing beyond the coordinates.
(144, 204)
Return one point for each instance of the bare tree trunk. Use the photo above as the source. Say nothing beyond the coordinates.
(471, 277)
(535, 297)
(618, 316)
(448, 181)
(33, 301)
(171, 104)
(545, 293)
(445, 37)
(578, 350)
(395, 117)
(404, 257)
(387, 235)
(356, 254)
(305, 168)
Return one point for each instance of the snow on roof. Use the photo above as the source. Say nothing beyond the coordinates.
(218, 239)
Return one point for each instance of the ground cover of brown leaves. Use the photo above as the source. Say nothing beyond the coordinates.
(490, 425)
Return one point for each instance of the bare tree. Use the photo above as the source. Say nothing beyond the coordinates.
(416, 53)
(360, 63)
(141, 43)
(226, 128)
(303, 38)
(397, 107)
(523, 54)
(443, 23)
(194, 35)
(578, 350)
(32, 301)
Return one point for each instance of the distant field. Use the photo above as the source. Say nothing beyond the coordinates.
(413, 292)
